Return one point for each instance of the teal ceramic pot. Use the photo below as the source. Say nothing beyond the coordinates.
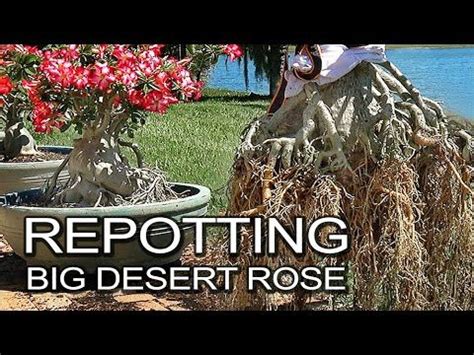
(23, 176)
(126, 253)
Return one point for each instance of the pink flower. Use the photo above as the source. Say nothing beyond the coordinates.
(155, 101)
(44, 118)
(149, 61)
(100, 50)
(32, 50)
(127, 77)
(163, 81)
(234, 51)
(126, 73)
(102, 76)
(124, 55)
(58, 71)
(191, 89)
(71, 52)
(31, 87)
(151, 101)
(6, 48)
(6, 85)
(157, 48)
(81, 78)
(135, 97)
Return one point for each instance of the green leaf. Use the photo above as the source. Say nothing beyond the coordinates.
(31, 58)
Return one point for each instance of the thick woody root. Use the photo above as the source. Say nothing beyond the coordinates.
(150, 186)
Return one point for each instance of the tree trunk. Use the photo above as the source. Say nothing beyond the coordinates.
(96, 164)
(102, 176)
(274, 70)
(182, 51)
(17, 141)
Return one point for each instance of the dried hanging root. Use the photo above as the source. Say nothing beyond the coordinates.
(448, 228)
(296, 192)
(389, 255)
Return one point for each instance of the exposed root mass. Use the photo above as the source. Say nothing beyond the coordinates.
(371, 149)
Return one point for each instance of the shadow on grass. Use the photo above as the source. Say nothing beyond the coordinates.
(235, 97)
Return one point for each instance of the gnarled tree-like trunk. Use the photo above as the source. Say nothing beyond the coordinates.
(100, 175)
(16, 140)
(370, 148)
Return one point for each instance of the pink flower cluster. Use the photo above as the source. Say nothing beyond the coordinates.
(234, 51)
(44, 116)
(135, 77)
(119, 68)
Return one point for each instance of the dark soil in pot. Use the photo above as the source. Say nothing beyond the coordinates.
(26, 172)
(45, 155)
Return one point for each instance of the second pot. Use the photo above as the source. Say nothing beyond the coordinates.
(23, 176)
(126, 253)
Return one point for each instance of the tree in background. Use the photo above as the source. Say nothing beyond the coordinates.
(204, 56)
(268, 60)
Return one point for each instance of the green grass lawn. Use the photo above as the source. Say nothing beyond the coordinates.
(193, 142)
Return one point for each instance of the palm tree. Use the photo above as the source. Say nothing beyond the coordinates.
(269, 60)
(205, 56)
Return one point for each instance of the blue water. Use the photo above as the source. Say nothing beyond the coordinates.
(230, 75)
(446, 75)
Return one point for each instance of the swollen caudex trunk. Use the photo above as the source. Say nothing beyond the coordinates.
(370, 148)
(96, 167)
(100, 175)
(17, 141)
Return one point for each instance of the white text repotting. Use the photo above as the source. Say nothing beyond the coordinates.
(98, 236)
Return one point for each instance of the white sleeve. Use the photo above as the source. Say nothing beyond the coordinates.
(337, 60)
(337, 63)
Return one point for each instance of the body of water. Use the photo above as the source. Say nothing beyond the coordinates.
(446, 75)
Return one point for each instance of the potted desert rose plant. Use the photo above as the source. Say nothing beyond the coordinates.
(22, 163)
(106, 92)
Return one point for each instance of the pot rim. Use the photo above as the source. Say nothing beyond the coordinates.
(37, 164)
(202, 197)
